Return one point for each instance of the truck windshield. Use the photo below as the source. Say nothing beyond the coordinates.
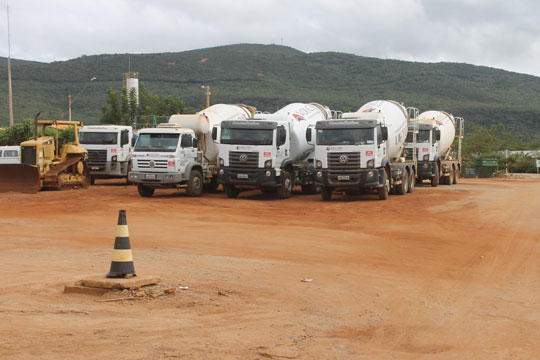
(423, 136)
(98, 138)
(157, 142)
(247, 136)
(345, 136)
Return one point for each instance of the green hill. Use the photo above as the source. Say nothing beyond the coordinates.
(271, 76)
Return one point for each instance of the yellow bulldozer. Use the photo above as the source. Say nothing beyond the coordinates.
(47, 162)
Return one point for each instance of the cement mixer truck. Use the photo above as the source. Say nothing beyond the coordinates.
(433, 147)
(363, 151)
(181, 153)
(270, 151)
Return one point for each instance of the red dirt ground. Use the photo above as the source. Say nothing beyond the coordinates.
(451, 272)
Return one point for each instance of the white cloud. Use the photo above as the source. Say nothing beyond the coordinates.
(483, 32)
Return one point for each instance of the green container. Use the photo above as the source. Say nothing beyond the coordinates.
(469, 172)
(485, 168)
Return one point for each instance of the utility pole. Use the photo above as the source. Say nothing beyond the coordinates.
(10, 94)
(69, 107)
(207, 88)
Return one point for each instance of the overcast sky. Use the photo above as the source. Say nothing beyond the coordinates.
(498, 33)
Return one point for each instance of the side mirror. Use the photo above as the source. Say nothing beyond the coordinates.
(438, 134)
(281, 136)
(308, 135)
(133, 140)
(186, 141)
(124, 137)
(214, 133)
(384, 133)
(195, 143)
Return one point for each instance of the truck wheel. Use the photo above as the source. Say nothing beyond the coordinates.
(402, 188)
(456, 176)
(410, 189)
(435, 179)
(145, 191)
(326, 193)
(92, 181)
(285, 190)
(195, 183)
(385, 189)
(450, 178)
(127, 174)
(231, 191)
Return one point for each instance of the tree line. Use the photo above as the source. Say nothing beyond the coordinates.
(125, 109)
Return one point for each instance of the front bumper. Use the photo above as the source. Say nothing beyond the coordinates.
(427, 169)
(155, 178)
(108, 169)
(249, 177)
(363, 178)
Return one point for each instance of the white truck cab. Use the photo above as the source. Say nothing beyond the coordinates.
(168, 157)
(10, 154)
(109, 150)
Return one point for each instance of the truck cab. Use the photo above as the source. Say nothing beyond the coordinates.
(109, 150)
(255, 153)
(426, 148)
(168, 157)
(10, 154)
(350, 154)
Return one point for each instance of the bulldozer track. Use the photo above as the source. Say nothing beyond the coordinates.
(52, 179)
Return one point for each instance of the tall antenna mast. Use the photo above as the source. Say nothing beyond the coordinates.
(10, 95)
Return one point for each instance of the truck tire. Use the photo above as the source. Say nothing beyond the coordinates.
(92, 180)
(195, 184)
(412, 179)
(285, 190)
(145, 191)
(385, 189)
(231, 191)
(401, 189)
(456, 176)
(326, 193)
(435, 179)
(127, 174)
(449, 179)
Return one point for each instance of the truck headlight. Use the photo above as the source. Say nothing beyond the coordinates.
(114, 158)
(318, 163)
(426, 157)
(221, 162)
(268, 173)
(319, 174)
(221, 171)
(371, 163)
(268, 163)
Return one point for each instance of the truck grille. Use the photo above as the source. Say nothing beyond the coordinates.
(409, 153)
(97, 157)
(151, 164)
(244, 160)
(343, 161)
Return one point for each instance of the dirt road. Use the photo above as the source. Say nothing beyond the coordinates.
(451, 272)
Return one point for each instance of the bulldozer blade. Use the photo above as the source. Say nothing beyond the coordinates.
(19, 178)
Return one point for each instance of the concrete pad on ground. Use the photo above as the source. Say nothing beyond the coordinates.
(119, 283)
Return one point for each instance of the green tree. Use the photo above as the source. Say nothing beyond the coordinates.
(17, 133)
(110, 112)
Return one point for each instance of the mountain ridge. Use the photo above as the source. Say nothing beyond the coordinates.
(271, 76)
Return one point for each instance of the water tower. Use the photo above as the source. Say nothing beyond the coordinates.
(131, 81)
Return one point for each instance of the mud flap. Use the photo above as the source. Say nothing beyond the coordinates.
(19, 178)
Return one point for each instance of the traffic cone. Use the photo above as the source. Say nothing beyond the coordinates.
(122, 259)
